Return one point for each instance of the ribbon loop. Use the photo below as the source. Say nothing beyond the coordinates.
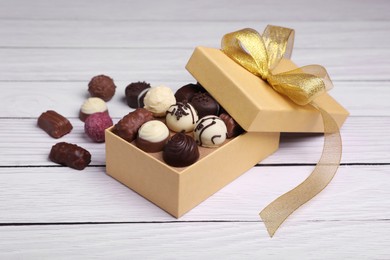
(260, 55)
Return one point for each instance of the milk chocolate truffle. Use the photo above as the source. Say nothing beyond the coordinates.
(158, 99)
(205, 104)
(180, 151)
(152, 136)
(95, 125)
(128, 126)
(70, 155)
(233, 128)
(210, 131)
(92, 105)
(181, 117)
(186, 92)
(54, 124)
(135, 93)
(102, 86)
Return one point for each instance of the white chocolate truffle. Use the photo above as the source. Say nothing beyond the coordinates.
(93, 105)
(210, 131)
(158, 99)
(181, 117)
(153, 131)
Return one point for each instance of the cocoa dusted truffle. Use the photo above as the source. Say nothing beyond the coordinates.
(128, 126)
(152, 136)
(70, 155)
(180, 151)
(54, 124)
(135, 93)
(95, 125)
(186, 92)
(102, 86)
(233, 128)
(204, 104)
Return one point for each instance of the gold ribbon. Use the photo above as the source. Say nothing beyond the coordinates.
(260, 54)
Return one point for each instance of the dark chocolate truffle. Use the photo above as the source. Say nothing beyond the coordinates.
(70, 155)
(128, 126)
(102, 86)
(135, 93)
(233, 128)
(181, 151)
(186, 92)
(204, 104)
(54, 124)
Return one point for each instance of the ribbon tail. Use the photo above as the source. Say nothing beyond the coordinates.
(277, 211)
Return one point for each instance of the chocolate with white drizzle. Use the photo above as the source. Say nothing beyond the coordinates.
(210, 131)
(181, 117)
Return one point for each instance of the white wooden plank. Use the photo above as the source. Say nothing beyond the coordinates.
(168, 64)
(184, 34)
(364, 141)
(219, 10)
(30, 99)
(305, 240)
(50, 195)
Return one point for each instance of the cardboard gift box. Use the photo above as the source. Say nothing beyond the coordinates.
(261, 111)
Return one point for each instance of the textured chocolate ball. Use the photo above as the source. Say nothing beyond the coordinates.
(135, 93)
(181, 151)
(95, 125)
(205, 105)
(102, 86)
(187, 92)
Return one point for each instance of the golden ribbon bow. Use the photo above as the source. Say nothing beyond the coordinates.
(260, 54)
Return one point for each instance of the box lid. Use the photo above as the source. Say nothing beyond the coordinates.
(251, 101)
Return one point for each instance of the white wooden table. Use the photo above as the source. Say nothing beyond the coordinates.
(49, 50)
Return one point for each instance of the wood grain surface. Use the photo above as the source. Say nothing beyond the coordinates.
(49, 50)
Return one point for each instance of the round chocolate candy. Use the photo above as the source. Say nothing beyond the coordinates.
(158, 99)
(186, 92)
(96, 124)
(91, 106)
(204, 104)
(102, 86)
(180, 151)
(181, 117)
(135, 93)
(210, 131)
(152, 136)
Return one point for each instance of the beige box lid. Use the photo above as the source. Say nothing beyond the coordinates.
(251, 101)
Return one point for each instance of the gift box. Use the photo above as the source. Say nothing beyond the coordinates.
(259, 109)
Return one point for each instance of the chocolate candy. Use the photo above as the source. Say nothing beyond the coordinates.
(128, 126)
(180, 151)
(210, 131)
(233, 128)
(54, 124)
(152, 136)
(135, 93)
(181, 117)
(204, 104)
(90, 106)
(186, 92)
(70, 155)
(102, 86)
(95, 125)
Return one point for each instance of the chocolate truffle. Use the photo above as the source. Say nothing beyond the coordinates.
(181, 117)
(210, 131)
(135, 93)
(95, 125)
(204, 104)
(92, 105)
(186, 92)
(152, 136)
(54, 124)
(128, 126)
(180, 151)
(233, 128)
(158, 99)
(70, 155)
(102, 86)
